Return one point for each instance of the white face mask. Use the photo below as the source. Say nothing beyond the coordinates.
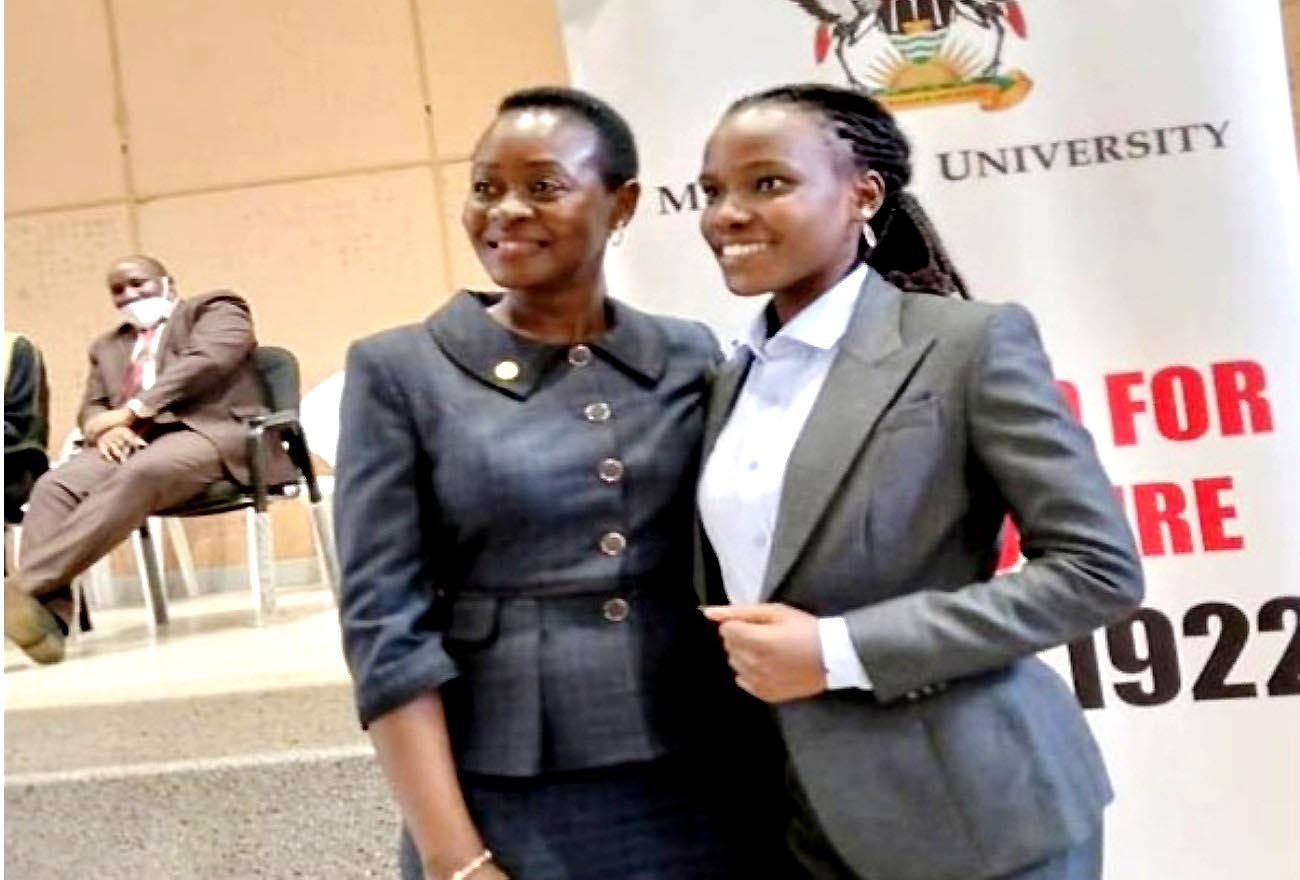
(148, 312)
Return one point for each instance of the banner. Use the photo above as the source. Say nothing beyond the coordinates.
(1128, 172)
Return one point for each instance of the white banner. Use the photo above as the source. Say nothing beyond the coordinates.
(1127, 171)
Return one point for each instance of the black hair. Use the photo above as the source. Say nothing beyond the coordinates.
(909, 251)
(618, 158)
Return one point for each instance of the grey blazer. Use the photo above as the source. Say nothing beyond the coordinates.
(971, 758)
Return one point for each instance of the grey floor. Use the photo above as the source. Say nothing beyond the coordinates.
(253, 769)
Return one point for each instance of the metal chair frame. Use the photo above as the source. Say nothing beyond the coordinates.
(254, 500)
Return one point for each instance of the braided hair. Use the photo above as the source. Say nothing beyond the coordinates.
(909, 251)
(618, 157)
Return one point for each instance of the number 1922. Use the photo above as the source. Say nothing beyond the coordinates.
(1160, 676)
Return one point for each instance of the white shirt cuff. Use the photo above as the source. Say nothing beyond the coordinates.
(139, 409)
(843, 667)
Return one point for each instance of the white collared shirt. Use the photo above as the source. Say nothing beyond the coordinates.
(740, 488)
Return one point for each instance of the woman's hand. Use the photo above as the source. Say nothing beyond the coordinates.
(775, 650)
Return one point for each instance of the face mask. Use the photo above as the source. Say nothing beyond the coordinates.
(147, 312)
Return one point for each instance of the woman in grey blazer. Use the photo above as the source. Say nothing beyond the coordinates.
(514, 511)
(862, 452)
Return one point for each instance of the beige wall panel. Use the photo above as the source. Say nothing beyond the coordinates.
(322, 262)
(61, 145)
(54, 292)
(244, 91)
(476, 52)
(466, 271)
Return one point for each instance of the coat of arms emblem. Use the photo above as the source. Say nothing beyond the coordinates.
(918, 53)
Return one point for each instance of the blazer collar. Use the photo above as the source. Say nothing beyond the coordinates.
(728, 379)
(873, 365)
(725, 389)
(515, 365)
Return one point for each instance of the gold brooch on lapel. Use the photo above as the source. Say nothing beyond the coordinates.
(506, 371)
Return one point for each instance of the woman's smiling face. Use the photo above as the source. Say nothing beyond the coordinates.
(783, 202)
(538, 212)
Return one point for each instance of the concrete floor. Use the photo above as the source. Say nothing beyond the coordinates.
(211, 749)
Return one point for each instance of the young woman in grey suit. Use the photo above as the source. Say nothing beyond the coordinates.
(862, 451)
(514, 510)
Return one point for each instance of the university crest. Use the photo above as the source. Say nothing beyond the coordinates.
(923, 53)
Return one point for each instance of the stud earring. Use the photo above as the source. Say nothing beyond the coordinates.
(617, 238)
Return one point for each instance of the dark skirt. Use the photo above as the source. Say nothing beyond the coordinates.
(647, 821)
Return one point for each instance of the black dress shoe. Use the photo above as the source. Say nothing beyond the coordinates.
(30, 626)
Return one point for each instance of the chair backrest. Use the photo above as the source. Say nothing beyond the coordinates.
(279, 371)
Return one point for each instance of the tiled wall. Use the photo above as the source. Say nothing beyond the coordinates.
(306, 153)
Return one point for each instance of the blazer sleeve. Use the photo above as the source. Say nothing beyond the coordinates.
(26, 400)
(1082, 569)
(220, 339)
(381, 507)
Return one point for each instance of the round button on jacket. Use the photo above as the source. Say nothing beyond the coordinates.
(610, 470)
(597, 412)
(579, 355)
(616, 609)
(612, 544)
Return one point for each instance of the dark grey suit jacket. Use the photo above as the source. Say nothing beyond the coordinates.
(971, 758)
(470, 513)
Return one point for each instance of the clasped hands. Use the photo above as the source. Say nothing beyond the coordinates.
(774, 649)
(111, 435)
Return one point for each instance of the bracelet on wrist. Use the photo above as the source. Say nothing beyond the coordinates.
(468, 870)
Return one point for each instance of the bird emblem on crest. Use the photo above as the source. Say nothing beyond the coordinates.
(918, 53)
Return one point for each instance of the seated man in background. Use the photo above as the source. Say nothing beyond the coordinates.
(27, 424)
(163, 418)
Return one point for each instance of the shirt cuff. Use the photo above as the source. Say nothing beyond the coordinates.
(139, 409)
(843, 667)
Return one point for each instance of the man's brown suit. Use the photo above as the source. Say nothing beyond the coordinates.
(206, 386)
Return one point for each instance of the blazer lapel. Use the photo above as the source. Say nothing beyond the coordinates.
(173, 329)
(726, 386)
(722, 396)
(115, 363)
(164, 345)
(872, 366)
